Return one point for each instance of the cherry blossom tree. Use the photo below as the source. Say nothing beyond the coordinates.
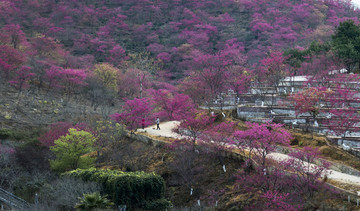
(288, 184)
(217, 140)
(172, 106)
(73, 79)
(260, 139)
(306, 175)
(278, 201)
(211, 80)
(133, 83)
(239, 80)
(269, 73)
(10, 60)
(310, 100)
(22, 78)
(188, 166)
(343, 121)
(116, 55)
(58, 129)
(14, 35)
(194, 125)
(133, 112)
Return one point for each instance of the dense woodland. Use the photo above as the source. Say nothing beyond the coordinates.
(130, 61)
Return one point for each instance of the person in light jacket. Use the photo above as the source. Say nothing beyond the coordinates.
(157, 123)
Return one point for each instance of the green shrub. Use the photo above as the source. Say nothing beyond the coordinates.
(66, 162)
(4, 133)
(17, 134)
(21, 135)
(159, 204)
(93, 201)
(130, 188)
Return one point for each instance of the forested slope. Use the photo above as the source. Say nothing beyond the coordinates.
(45, 34)
(73, 65)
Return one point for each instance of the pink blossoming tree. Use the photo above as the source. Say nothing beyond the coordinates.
(133, 112)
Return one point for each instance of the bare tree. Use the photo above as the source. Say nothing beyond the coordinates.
(63, 193)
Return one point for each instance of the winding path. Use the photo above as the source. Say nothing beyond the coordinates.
(332, 174)
(166, 131)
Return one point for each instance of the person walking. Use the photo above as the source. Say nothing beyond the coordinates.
(157, 123)
(143, 123)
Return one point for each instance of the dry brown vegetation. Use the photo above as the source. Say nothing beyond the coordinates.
(131, 155)
(329, 152)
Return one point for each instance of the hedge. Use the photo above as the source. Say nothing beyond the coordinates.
(135, 189)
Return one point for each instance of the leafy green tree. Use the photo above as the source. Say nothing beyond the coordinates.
(108, 75)
(92, 201)
(69, 150)
(346, 43)
(295, 57)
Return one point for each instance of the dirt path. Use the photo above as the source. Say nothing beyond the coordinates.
(166, 131)
(332, 174)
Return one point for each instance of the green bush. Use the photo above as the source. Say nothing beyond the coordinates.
(93, 201)
(135, 189)
(159, 204)
(4, 133)
(21, 134)
(17, 134)
(66, 162)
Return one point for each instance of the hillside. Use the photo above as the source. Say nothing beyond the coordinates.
(79, 78)
(106, 51)
(79, 34)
